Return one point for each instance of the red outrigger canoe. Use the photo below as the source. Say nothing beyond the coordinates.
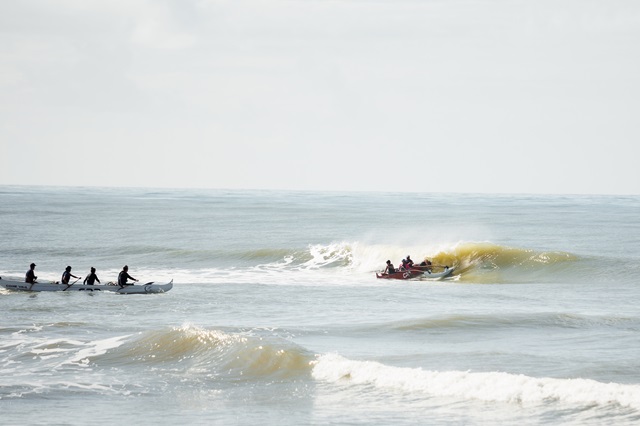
(417, 271)
(399, 275)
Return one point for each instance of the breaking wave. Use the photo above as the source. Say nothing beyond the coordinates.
(208, 356)
(474, 262)
(487, 387)
(249, 356)
(213, 352)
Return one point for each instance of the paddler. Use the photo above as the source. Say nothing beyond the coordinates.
(389, 269)
(66, 276)
(123, 276)
(409, 262)
(92, 277)
(30, 276)
(426, 262)
(406, 264)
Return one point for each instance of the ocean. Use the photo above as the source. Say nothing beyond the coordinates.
(276, 315)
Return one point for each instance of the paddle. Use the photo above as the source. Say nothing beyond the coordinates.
(69, 285)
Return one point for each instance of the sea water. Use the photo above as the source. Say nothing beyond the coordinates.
(277, 317)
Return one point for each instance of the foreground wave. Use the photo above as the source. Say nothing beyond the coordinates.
(489, 387)
(205, 358)
(250, 356)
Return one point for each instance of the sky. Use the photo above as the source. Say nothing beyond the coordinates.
(465, 96)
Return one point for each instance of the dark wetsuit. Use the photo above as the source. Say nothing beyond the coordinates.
(91, 279)
(30, 277)
(122, 278)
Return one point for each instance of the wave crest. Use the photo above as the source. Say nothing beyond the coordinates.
(489, 387)
(214, 353)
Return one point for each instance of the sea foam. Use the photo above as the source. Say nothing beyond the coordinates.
(483, 386)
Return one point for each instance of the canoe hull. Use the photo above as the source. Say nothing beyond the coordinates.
(400, 275)
(416, 273)
(151, 287)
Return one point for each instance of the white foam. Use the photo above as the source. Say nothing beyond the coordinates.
(491, 386)
(96, 348)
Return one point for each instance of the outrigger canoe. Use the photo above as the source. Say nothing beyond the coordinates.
(417, 272)
(151, 287)
(399, 275)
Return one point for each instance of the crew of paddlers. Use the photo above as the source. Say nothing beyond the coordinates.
(123, 276)
(405, 265)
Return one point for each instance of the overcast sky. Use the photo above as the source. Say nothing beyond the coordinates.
(490, 96)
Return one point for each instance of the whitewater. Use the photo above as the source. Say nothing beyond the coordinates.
(276, 315)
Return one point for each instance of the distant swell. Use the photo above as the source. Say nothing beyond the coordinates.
(490, 387)
(514, 320)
